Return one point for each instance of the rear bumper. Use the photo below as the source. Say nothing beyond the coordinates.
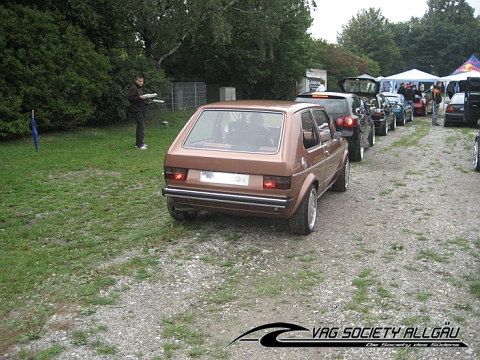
(196, 197)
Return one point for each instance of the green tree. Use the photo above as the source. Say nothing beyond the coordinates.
(369, 34)
(50, 67)
(267, 50)
(161, 27)
(451, 34)
(341, 62)
(439, 41)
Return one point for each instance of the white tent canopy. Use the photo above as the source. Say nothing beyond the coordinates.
(412, 75)
(461, 76)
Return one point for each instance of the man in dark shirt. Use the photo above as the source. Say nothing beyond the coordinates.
(138, 108)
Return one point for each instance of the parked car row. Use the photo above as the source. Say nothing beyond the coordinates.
(276, 158)
(350, 117)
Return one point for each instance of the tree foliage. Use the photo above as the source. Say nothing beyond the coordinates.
(369, 34)
(266, 52)
(437, 42)
(341, 62)
(52, 68)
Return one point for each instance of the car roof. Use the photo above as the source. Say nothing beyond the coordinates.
(311, 94)
(260, 105)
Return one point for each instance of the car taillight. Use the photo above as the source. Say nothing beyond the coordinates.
(348, 121)
(450, 109)
(178, 174)
(396, 107)
(378, 113)
(277, 182)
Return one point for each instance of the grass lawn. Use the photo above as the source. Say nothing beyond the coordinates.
(84, 197)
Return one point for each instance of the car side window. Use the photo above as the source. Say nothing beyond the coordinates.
(309, 130)
(356, 104)
(323, 122)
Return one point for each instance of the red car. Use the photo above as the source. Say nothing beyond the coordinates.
(256, 158)
(422, 105)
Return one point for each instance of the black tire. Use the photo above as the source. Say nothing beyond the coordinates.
(371, 136)
(304, 219)
(384, 129)
(357, 150)
(425, 113)
(404, 120)
(476, 154)
(393, 124)
(446, 123)
(341, 184)
(180, 215)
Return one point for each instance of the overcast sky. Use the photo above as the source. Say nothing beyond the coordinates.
(330, 15)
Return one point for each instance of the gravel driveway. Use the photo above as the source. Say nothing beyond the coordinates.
(400, 248)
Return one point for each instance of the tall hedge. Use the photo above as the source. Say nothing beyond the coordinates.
(47, 65)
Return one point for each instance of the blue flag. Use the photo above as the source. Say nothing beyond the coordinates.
(33, 123)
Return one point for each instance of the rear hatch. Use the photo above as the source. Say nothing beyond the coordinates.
(360, 86)
(472, 100)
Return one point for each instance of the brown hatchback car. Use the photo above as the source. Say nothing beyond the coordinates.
(256, 158)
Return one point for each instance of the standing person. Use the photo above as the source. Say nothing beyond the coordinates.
(437, 99)
(322, 86)
(402, 90)
(138, 109)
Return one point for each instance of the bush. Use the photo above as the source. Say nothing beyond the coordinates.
(48, 66)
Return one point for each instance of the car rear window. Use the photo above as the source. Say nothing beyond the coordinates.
(336, 106)
(458, 98)
(360, 86)
(236, 131)
(393, 98)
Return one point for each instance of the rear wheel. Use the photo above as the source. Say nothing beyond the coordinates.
(303, 221)
(476, 154)
(357, 150)
(425, 111)
(384, 129)
(404, 120)
(371, 137)
(393, 124)
(341, 184)
(180, 215)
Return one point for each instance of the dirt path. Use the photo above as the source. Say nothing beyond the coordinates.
(400, 248)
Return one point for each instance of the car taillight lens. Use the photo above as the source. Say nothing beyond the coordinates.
(450, 109)
(348, 121)
(396, 107)
(277, 182)
(178, 174)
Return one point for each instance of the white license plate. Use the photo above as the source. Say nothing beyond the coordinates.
(224, 178)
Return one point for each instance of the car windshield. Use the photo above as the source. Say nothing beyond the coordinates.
(236, 131)
(335, 106)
